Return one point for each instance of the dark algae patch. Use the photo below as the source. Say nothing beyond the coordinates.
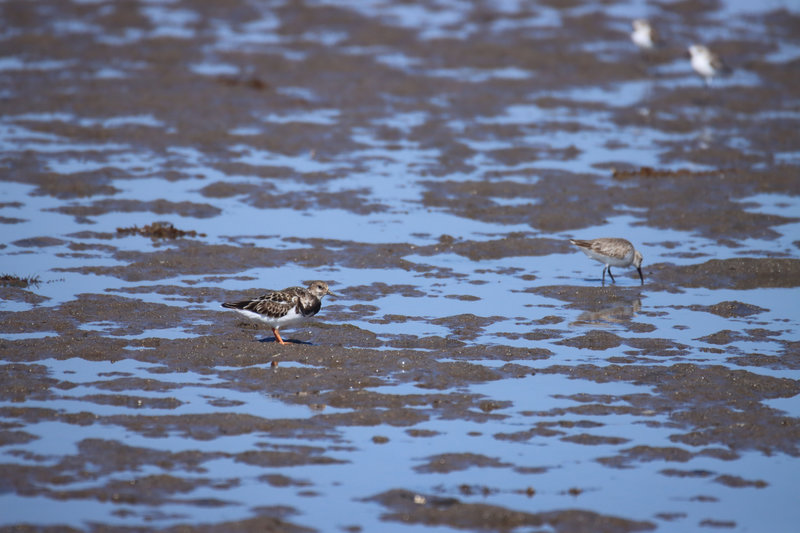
(10, 280)
(159, 230)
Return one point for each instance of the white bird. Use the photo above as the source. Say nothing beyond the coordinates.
(283, 308)
(611, 252)
(706, 63)
(643, 35)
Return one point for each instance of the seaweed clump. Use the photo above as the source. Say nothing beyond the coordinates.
(9, 280)
(159, 230)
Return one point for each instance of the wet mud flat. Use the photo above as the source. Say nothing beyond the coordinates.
(713, 409)
(430, 162)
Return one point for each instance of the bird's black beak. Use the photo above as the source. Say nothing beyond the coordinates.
(329, 293)
(640, 274)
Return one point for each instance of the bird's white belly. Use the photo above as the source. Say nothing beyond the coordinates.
(626, 260)
(703, 67)
(642, 39)
(289, 319)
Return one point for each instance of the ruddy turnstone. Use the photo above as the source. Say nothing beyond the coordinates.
(611, 252)
(706, 63)
(643, 35)
(283, 308)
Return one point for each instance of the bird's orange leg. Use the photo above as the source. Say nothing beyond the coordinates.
(277, 335)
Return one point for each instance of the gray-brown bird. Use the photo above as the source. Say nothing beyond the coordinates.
(611, 252)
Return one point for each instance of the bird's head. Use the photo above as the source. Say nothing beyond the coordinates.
(319, 289)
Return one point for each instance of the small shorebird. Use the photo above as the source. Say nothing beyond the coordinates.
(706, 63)
(283, 308)
(643, 35)
(611, 252)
